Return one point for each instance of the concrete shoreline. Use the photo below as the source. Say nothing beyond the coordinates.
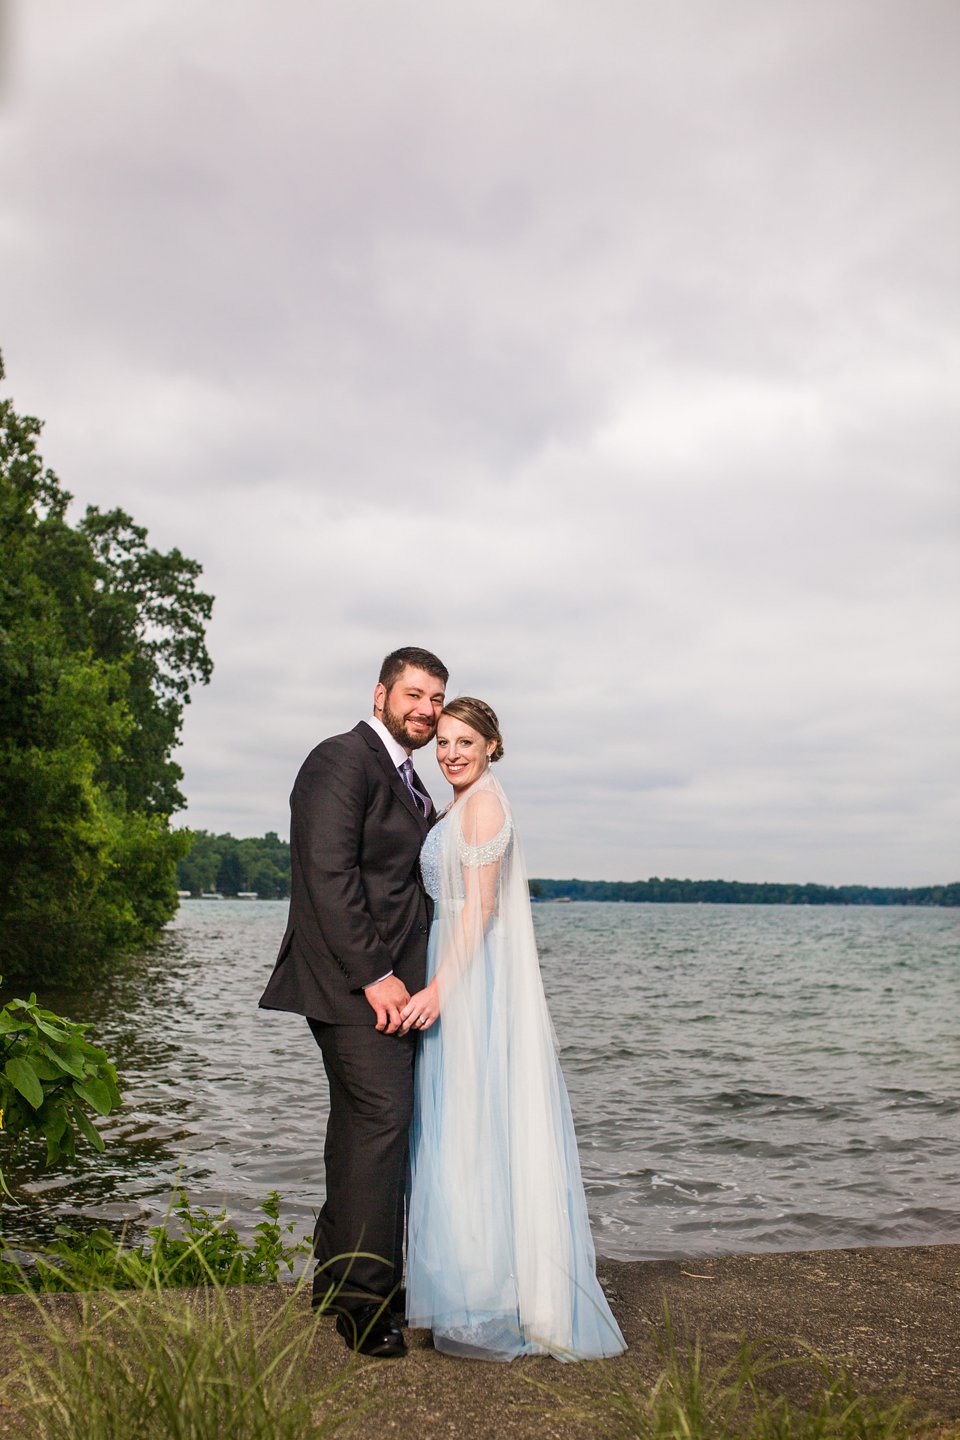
(893, 1315)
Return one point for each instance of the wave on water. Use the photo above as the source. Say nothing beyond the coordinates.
(742, 1078)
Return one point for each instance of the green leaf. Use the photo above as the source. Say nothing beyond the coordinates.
(52, 1031)
(54, 1125)
(96, 1093)
(54, 1129)
(74, 1055)
(87, 1128)
(8, 1024)
(45, 1069)
(68, 1061)
(23, 1078)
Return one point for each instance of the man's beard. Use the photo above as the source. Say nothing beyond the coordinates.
(396, 725)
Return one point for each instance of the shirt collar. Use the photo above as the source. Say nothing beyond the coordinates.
(394, 749)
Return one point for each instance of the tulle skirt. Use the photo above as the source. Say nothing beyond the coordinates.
(500, 1259)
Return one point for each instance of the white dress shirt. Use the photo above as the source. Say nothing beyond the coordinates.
(394, 749)
(397, 754)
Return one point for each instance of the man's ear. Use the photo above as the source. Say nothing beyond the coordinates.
(379, 695)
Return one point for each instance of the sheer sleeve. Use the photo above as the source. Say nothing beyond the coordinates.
(485, 852)
(477, 841)
(483, 834)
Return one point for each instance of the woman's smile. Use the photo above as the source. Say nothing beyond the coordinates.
(462, 752)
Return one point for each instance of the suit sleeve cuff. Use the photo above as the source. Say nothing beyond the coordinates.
(377, 982)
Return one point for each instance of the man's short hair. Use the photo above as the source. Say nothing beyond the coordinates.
(398, 660)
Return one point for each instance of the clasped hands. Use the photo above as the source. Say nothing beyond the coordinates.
(398, 1011)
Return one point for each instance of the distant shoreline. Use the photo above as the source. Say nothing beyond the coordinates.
(739, 892)
(258, 867)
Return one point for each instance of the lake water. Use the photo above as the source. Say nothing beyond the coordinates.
(742, 1078)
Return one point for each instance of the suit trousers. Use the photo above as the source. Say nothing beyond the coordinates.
(358, 1237)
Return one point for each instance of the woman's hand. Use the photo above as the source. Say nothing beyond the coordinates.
(421, 1009)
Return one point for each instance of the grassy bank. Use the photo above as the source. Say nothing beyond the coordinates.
(257, 1365)
(121, 1354)
(694, 1398)
(169, 1366)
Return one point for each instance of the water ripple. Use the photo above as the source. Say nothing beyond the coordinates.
(742, 1078)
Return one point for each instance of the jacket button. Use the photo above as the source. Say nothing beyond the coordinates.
(423, 929)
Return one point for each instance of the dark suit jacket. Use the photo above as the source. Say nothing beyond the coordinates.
(357, 903)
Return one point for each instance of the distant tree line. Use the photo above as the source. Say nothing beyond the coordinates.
(101, 639)
(223, 865)
(735, 892)
(220, 864)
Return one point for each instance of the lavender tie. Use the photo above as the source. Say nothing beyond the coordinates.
(423, 802)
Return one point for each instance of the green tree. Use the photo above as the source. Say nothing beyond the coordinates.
(229, 865)
(100, 639)
(149, 616)
(197, 870)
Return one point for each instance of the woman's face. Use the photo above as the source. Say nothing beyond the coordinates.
(461, 752)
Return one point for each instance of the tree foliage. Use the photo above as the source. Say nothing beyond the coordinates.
(101, 638)
(224, 865)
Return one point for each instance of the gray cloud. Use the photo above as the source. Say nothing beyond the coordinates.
(608, 350)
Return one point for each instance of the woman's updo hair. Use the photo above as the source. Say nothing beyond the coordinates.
(479, 716)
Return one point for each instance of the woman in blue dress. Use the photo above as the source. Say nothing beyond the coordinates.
(500, 1259)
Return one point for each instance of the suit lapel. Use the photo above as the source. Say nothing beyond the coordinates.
(393, 776)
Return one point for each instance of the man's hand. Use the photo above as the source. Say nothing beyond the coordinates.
(388, 997)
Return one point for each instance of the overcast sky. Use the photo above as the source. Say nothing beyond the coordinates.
(608, 348)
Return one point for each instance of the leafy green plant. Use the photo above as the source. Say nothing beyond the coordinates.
(210, 1247)
(206, 1251)
(51, 1078)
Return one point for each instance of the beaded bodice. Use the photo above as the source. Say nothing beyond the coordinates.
(431, 856)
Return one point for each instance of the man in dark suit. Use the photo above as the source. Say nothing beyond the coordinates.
(353, 952)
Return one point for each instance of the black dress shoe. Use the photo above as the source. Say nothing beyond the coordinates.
(371, 1330)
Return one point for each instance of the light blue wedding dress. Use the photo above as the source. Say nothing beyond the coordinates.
(500, 1259)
